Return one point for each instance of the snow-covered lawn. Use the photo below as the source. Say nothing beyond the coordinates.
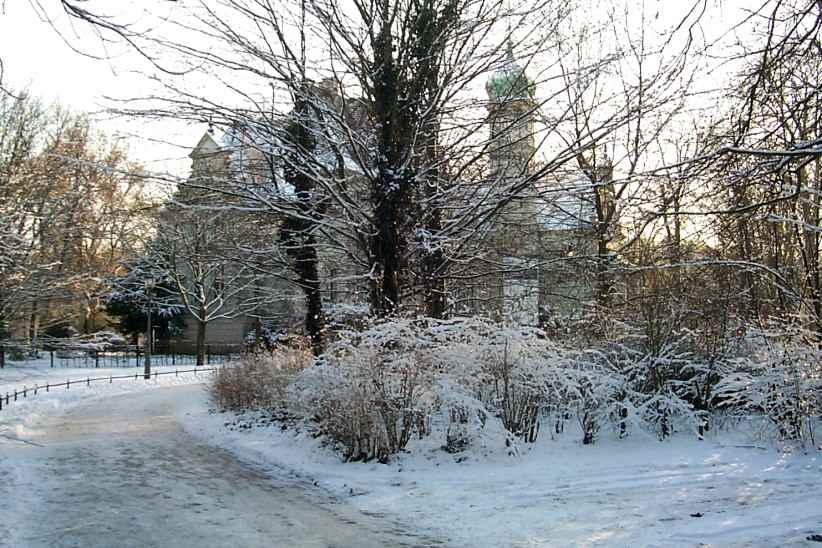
(636, 492)
(30, 372)
(20, 375)
(724, 491)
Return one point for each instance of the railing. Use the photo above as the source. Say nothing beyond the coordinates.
(133, 356)
(165, 353)
(13, 396)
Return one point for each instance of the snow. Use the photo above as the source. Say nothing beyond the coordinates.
(20, 375)
(724, 491)
(19, 420)
(121, 472)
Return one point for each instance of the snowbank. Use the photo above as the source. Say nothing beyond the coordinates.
(636, 492)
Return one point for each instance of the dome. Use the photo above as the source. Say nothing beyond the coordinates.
(510, 82)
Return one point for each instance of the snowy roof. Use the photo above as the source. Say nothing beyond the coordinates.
(206, 146)
(567, 206)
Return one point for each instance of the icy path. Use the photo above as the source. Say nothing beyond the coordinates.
(121, 472)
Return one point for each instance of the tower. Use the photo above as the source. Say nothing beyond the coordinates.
(511, 108)
(515, 237)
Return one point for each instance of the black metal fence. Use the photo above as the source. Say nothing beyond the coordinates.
(31, 391)
(134, 356)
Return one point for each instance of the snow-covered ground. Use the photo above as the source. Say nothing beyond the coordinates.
(121, 472)
(724, 491)
(30, 372)
(636, 492)
(19, 375)
(19, 419)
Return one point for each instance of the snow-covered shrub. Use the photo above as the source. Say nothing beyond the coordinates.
(266, 338)
(517, 363)
(701, 377)
(507, 369)
(260, 380)
(630, 380)
(371, 392)
(470, 381)
(376, 388)
(782, 381)
(590, 386)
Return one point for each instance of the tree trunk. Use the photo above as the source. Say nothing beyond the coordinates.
(434, 283)
(603, 274)
(386, 251)
(201, 335)
(308, 268)
(392, 111)
(34, 327)
(297, 233)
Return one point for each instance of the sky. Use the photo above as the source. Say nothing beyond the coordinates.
(37, 57)
(42, 56)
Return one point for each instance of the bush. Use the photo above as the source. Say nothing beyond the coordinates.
(782, 381)
(474, 383)
(260, 380)
(378, 388)
(370, 394)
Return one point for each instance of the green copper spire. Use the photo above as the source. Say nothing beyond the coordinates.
(510, 82)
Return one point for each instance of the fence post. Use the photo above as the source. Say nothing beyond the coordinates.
(2, 357)
(96, 359)
(208, 353)
(51, 358)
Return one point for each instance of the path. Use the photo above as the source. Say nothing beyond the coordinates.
(121, 472)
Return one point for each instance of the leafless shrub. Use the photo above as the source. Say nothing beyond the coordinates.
(260, 380)
(518, 395)
(371, 393)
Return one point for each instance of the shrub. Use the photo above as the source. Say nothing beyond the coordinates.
(377, 388)
(370, 394)
(782, 381)
(260, 380)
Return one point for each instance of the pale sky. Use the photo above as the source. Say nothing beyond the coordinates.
(35, 56)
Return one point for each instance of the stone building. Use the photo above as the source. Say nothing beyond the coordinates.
(537, 259)
(541, 247)
(241, 298)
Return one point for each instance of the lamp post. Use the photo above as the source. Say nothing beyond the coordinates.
(149, 332)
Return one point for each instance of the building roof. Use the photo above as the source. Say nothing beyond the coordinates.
(206, 146)
(568, 208)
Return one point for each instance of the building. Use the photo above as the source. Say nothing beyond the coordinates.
(542, 244)
(537, 254)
